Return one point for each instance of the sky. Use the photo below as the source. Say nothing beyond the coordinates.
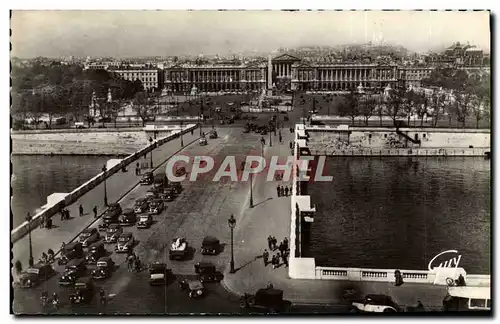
(165, 33)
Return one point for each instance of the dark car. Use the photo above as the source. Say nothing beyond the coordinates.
(145, 221)
(104, 267)
(84, 291)
(74, 270)
(35, 275)
(176, 187)
(160, 180)
(156, 206)
(112, 233)
(112, 214)
(128, 217)
(96, 251)
(168, 195)
(147, 179)
(89, 236)
(125, 243)
(141, 206)
(71, 251)
(159, 274)
(207, 272)
(210, 245)
(268, 300)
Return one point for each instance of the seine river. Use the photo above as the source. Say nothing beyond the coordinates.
(398, 213)
(37, 176)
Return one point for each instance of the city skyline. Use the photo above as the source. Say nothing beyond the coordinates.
(122, 33)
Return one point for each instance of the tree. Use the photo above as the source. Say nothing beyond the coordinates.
(53, 98)
(381, 108)
(349, 106)
(395, 104)
(33, 104)
(421, 105)
(369, 105)
(141, 106)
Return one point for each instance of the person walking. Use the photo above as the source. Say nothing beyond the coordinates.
(62, 214)
(291, 145)
(273, 261)
(277, 260)
(278, 191)
(286, 191)
(270, 242)
(281, 249)
(280, 138)
(81, 210)
(285, 259)
(282, 191)
(285, 243)
(275, 241)
(95, 211)
(265, 257)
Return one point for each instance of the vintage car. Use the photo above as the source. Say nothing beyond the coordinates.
(84, 291)
(195, 288)
(125, 243)
(153, 193)
(267, 300)
(210, 245)
(156, 206)
(176, 186)
(467, 299)
(141, 206)
(95, 252)
(89, 236)
(145, 221)
(202, 141)
(71, 251)
(178, 249)
(159, 274)
(180, 171)
(147, 179)
(213, 135)
(207, 272)
(104, 267)
(74, 270)
(160, 181)
(168, 195)
(112, 233)
(128, 217)
(35, 275)
(112, 214)
(375, 304)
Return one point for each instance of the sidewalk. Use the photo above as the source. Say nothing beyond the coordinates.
(117, 185)
(272, 217)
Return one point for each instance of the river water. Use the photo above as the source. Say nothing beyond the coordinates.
(37, 176)
(398, 213)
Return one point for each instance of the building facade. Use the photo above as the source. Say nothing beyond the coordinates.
(152, 79)
(412, 76)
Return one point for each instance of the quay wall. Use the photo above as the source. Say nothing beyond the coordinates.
(73, 196)
(305, 268)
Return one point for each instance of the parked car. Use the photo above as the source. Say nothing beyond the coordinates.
(468, 299)
(125, 243)
(267, 300)
(147, 178)
(168, 196)
(89, 236)
(210, 245)
(141, 205)
(128, 217)
(195, 288)
(145, 221)
(104, 267)
(74, 269)
(71, 251)
(84, 291)
(177, 187)
(202, 141)
(112, 213)
(178, 249)
(156, 206)
(96, 251)
(159, 274)
(207, 272)
(35, 275)
(160, 180)
(375, 304)
(112, 233)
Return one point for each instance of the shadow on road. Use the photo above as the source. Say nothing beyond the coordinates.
(262, 202)
(247, 263)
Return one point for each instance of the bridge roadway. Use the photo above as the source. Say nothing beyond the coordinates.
(201, 209)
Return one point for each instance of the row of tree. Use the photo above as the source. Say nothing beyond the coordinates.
(62, 90)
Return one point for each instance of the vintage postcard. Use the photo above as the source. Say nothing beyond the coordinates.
(305, 162)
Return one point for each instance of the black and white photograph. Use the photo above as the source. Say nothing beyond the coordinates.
(250, 162)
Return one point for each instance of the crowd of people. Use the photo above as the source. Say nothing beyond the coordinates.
(281, 252)
(283, 191)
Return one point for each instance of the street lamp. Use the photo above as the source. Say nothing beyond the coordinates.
(28, 219)
(270, 140)
(232, 223)
(251, 190)
(151, 155)
(262, 146)
(199, 117)
(104, 169)
(182, 141)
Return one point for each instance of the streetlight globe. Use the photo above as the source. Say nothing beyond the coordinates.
(231, 221)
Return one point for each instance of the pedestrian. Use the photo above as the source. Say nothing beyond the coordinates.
(290, 190)
(281, 248)
(285, 243)
(192, 132)
(275, 241)
(270, 242)
(42, 223)
(285, 259)
(278, 191)
(277, 260)
(286, 191)
(281, 138)
(81, 210)
(130, 262)
(62, 214)
(282, 190)
(265, 257)
(95, 211)
(273, 261)
(66, 214)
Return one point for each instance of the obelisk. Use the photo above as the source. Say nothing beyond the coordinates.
(269, 76)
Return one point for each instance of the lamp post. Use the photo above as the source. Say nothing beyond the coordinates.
(182, 141)
(251, 190)
(262, 147)
(199, 117)
(232, 223)
(270, 140)
(28, 219)
(151, 155)
(104, 169)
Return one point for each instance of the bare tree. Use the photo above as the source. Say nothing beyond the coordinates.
(395, 104)
(350, 106)
(421, 103)
(369, 105)
(141, 106)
